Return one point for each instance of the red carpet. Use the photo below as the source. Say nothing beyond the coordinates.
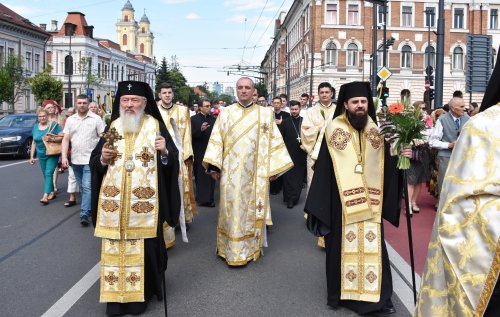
(421, 225)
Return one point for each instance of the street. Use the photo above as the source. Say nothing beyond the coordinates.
(48, 262)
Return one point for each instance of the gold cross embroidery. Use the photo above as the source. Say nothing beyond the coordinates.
(260, 206)
(265, 128)
(145, 156)
(117, 156)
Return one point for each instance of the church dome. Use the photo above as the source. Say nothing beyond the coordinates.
(128, 6)
(145, 18)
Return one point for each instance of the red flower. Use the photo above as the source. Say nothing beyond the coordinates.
(396, 108)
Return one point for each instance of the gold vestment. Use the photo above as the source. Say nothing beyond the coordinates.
(182, 119)
(248, 148)
(463, 260)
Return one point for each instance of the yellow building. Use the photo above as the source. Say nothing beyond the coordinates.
(133, 36)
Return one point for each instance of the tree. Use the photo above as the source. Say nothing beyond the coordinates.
(89, 79)
(173, 75)
(46, 87)
(12, 79)
(261, 88)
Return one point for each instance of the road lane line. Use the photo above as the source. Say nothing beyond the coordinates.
(401, 277)
(12, 164)
(67, 301)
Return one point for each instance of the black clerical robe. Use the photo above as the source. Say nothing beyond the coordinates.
(294, 178)
(155, 253)
(205, 185)
(276, 185)
(324, 208)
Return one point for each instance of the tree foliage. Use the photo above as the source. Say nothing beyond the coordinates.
(261, 88)
(12, 79)
(172, 74)
(89, 79)
(44, 86)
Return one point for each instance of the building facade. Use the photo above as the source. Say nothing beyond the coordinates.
(133, 36)
(20, 37)
(98, 64)
(331, 40)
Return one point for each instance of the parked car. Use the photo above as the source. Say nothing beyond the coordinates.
(15, 134)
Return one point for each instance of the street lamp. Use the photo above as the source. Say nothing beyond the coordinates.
(69, 30)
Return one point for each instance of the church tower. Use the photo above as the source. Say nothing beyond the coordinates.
(126, 28)
(145, 37)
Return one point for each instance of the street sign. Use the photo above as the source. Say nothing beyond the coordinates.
(384, 73)
(429, 70)
(427, 84)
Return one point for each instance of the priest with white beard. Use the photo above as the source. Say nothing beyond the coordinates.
(134, 190)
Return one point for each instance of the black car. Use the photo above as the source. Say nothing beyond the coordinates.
(15, 134)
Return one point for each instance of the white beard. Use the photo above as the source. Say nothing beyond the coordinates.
(131, 123)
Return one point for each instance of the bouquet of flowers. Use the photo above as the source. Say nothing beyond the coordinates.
(404, 126)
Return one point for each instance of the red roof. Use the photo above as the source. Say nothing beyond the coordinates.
(10, 16)
(198, 92)
(78, 19)
(110, 44)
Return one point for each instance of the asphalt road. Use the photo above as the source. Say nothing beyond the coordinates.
(44, 252)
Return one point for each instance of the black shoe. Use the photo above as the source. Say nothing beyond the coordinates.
(274, 193)
(387, 310)
(211, 205)
(70, 203)
(84, 221)
(289, 205)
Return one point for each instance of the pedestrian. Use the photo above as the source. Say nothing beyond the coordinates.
(279, 115)
(461, 273)
(304, 104)
(48, 163)
(134, 190)
(284, 103)
(245, 151)
(262, 101)
(355, 185)
(180, 115)
(202, 124)
(445, 134)
(83, 130)
(294, 178)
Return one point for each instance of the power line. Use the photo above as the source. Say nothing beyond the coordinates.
(255, 25)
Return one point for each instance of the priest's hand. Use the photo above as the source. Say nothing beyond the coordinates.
(215, 175)
(107, 153)
(161, 145)
(406, 152)
(278, 121)
(204, 126)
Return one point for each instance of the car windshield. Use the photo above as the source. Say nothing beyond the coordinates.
(17, 122)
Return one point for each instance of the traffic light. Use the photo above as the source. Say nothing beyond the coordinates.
(389, 42)
(431, 94)
(385, 92)
(431, 80)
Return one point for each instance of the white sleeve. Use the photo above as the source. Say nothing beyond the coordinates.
(436, 136)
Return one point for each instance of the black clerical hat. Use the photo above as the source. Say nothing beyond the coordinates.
(355, 89)
(492, 93)
(137, 88)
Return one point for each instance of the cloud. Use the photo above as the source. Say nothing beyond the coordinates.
(244, 5)
(192, 16)
(175, 1)
(24, 11)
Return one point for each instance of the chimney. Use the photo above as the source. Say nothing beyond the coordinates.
(43, 26)
(54, 26)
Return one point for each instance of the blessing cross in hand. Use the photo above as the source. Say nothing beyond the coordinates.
(111, 136)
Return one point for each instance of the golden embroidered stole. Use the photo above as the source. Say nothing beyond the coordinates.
(128, 213)
(359, 176)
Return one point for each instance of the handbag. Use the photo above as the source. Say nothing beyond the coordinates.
(53, 142)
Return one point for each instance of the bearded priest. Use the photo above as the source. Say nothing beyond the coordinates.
(355, 185)
(134, 190)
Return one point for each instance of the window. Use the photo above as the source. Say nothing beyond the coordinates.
(10, 51)
(126, 18)
(406, 57)
(143, 30)
(1, 55)
(458, 58)
(99, 70)
(353, 14)
(430, 55)
(27, 99)
(124, 40)
(430, 16)
(494, 19)
(331, 13)
(380, 14)
(352, 55)
(406, 16)
(380, 58)
(37, 63)
(105, 71)
(141, 48)
(493, 56)
(458, 18)
(122, 72)
(28, 61)
(331, 54)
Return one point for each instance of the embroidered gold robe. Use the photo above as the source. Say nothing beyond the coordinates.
(463, 260)
(247, 147)
(311, 133)
(182, 119)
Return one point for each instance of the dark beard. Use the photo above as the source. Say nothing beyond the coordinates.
(358, 122)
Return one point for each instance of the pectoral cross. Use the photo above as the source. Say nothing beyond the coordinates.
(111, 136)
(299, 139)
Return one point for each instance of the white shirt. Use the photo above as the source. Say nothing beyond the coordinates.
(437, 134)
(84, 134)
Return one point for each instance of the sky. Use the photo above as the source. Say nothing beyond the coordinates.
(206, 36)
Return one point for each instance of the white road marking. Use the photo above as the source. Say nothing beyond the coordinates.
(74, 294)
(14, 164)
(404, 292)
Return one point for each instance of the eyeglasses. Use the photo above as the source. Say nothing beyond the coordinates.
(261, 101)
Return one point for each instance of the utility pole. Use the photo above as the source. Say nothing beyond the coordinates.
(374, 50)
(438, 101)
(385, 33)
(275, 66)
(311, 53)
(287, 65)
